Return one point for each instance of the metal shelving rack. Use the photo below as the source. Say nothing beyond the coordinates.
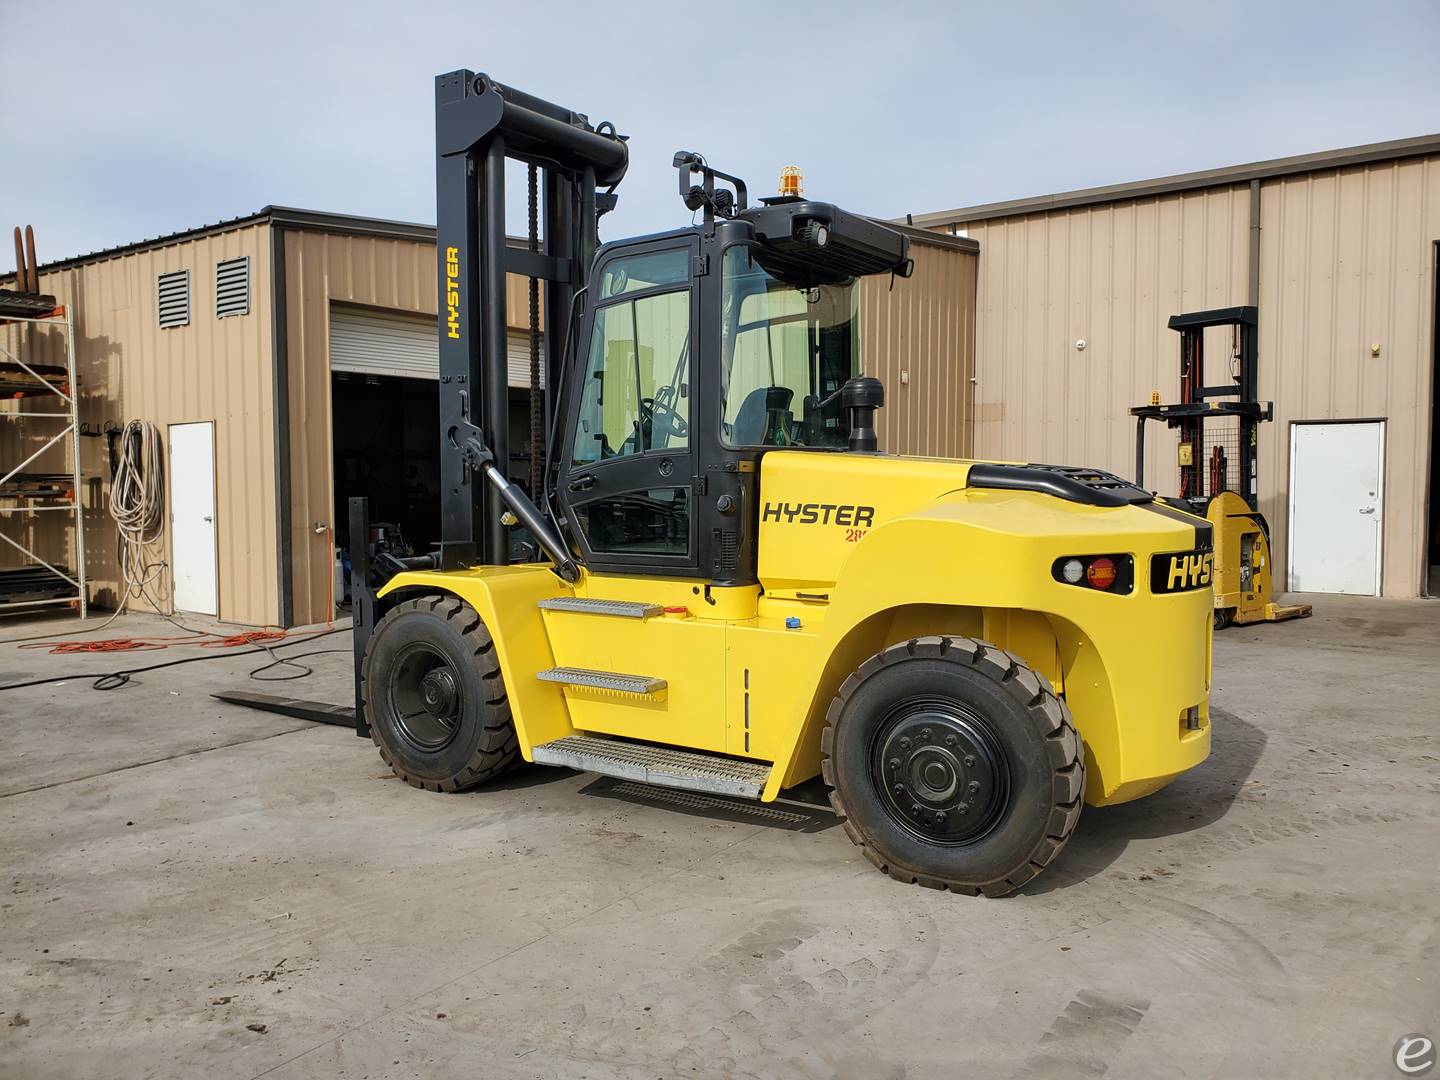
(24, 496)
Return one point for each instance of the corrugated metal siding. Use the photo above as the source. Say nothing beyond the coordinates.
(918, 338)
(322, 269)
(1110, 276)
(1346, 261)
(212, 369)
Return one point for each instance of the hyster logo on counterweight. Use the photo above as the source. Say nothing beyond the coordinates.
(452, 291)
(1181, 571)
(859, 517)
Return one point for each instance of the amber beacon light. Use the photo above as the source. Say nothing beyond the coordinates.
(790, 181)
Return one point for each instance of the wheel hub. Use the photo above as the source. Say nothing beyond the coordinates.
(439, 692)
(941, 772)
(427, 698)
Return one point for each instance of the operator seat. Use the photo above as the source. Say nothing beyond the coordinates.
(753, 425)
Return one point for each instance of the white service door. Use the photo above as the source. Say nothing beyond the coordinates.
(192, 517)
(1336, 503)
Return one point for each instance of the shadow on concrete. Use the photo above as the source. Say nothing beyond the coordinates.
(1196, 800)
(526, 777)
(797, 811)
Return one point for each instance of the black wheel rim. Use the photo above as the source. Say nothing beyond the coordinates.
(942, 774)
(426, 697)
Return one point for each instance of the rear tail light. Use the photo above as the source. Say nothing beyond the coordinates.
(1100, 573)
(1103, 573)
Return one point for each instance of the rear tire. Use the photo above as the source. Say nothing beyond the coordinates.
(953, 765)
(434, 697)
(1224, 616)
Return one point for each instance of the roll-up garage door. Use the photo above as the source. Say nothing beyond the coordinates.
(381, 343)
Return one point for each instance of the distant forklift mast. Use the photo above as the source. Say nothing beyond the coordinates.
(1209, 441)
(1204, 466)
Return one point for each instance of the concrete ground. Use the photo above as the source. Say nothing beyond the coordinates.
(194, 889)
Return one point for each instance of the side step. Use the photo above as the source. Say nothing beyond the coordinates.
(632, 609)
(602, 680)
(662, 766)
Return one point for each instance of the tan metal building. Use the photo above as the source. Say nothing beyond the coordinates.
(1338, 250)
(321, 384)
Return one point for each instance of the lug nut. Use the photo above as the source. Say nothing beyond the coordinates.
(894, 763)
(974, 785)
(963, 808)
(950, 740)
(969, 761)
(940, 817)
(904, 744)
(899, 789)
(915, 809)
(925, 734)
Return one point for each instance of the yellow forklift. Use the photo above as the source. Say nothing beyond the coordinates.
(721, 584)
(1218, 426)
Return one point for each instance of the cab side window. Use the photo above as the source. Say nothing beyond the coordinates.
(636, 394)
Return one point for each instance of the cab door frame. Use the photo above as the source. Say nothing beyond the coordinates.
(580, 484)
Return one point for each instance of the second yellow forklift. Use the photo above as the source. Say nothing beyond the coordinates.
(1217, 455)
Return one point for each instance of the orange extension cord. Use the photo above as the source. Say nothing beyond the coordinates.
(207, 641)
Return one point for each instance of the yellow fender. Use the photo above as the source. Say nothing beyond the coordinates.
(507, 597)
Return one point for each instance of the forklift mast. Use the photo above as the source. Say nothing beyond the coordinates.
(1204, 463)
(479, 124)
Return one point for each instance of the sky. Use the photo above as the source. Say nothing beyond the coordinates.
(126, 121)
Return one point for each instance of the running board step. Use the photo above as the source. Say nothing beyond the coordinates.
(662, 766)
(602, 680)
(632, 609)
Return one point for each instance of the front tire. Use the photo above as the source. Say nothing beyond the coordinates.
(953, 765)
(434, 697)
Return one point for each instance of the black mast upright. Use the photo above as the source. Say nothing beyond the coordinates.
(479, 124)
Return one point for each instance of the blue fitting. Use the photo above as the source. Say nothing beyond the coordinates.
(792, 622)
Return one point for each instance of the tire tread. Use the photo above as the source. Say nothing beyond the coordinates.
(1048, 712)
(499, 750)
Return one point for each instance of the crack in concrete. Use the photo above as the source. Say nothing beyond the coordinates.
(155, 761)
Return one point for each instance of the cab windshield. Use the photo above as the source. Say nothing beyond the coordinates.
(784, 350)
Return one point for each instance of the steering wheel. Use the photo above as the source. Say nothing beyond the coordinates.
(661, 420)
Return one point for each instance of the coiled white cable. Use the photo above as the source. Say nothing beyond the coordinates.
(137, 506)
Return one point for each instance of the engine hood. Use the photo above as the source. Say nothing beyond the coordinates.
(816, 507)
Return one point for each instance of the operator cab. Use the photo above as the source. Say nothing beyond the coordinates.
(698, 351)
